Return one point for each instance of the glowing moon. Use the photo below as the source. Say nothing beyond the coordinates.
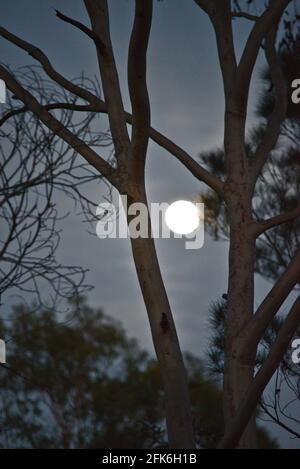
(182, 217)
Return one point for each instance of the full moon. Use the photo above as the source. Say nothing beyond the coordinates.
(182, 217)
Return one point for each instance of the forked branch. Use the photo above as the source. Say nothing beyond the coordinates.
(100, 106)
(137, 80)
(99, 18)
(259, 32)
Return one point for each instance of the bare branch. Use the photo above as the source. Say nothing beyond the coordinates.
(83, 28)
(195, 168)
(279, 112)
(222, 21)
(261, 227)
(12, 113)
(53, 107)
(181, 155)
(221, 17)
(271, 304)
(100, 106)
(35, 163)
(99, 17)
(260, 30)
(276, 419)
(137, 81)
(53, 124)
(244, 14)
(39, 55)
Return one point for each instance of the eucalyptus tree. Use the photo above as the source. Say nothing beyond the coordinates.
(236, 188)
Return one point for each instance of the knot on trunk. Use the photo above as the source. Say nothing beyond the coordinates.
(164, 323)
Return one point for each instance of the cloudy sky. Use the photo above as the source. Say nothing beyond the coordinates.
(187, 105)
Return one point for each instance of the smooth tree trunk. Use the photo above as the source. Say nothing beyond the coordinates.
(239, 370)
(178, 409)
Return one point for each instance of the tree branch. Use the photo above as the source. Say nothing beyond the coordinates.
(206, 5)
(279, 112)
(271, 304)
(99, 18)
(181, 155)
(262, 378)
(53, 124)
(259, 31)
(99, 105)
(39, 55)
(82, 28)
(243, 14)
(261, 227)
(137, 81)
(277, 420)
(221, 19)
(53, 107)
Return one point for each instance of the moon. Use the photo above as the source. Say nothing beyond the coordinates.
(182, 217)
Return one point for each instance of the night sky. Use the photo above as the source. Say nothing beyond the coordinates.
(187, 105)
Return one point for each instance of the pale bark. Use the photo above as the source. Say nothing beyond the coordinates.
(165, 340)
(99, 17)
(238, 373)
(167, 348)
(238, 191)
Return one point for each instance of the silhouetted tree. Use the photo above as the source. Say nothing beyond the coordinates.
(127, 174)
(276, 190)
(36, 167)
